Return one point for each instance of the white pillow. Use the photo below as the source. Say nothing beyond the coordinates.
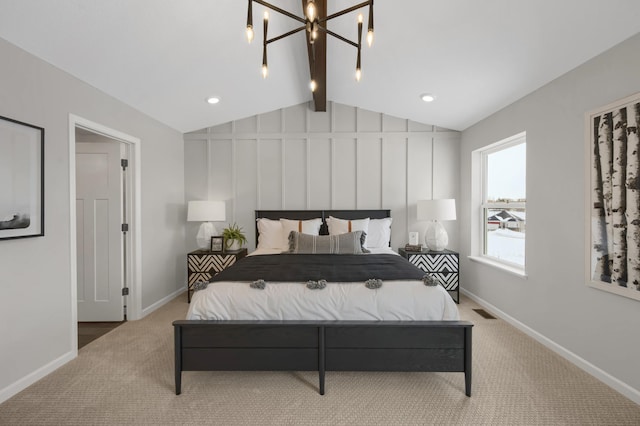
(342, 226)
(311, 227)
(269, 234)
(379, 234)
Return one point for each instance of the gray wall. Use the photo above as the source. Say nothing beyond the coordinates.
(595, 326)
(345, 158)
(35, 292)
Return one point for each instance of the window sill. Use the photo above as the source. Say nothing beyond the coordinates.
(520, 273)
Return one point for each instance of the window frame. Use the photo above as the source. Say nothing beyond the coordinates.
(485, 206)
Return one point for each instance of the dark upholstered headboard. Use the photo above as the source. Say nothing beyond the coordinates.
(323, 214)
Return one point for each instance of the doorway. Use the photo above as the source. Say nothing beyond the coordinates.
(90, 331)
(111, 288)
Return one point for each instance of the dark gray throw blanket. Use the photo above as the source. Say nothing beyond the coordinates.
(331, 267)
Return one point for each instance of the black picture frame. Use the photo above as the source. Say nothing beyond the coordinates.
(217, 244)
(21, 179)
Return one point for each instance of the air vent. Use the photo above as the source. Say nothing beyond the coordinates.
(484, 314)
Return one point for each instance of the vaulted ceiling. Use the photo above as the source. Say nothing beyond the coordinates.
(166, 57)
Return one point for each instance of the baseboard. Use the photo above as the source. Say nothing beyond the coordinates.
(33, 377)
(160, 303)
(618, 385)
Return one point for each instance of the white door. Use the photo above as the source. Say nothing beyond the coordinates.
(99, 231)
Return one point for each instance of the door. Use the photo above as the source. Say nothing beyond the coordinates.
(99, 231)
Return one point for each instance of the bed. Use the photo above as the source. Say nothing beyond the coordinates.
(353, 336)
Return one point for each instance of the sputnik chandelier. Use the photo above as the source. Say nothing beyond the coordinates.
(314, 22)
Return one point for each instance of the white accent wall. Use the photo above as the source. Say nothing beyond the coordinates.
(36, 327)
(344, 158)
(597, 330)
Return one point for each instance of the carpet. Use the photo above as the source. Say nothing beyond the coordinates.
(126, 377)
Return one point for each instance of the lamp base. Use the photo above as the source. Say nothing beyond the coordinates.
(436, 237)
(205, 232)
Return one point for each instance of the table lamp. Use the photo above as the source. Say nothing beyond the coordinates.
(435, 236)
(206, 212)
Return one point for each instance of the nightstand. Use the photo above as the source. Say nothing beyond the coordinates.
(442, 265)
(204, 264)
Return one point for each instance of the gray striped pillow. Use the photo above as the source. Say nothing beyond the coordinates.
(349, 243)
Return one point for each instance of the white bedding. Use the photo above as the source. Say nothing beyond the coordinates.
(395, 300)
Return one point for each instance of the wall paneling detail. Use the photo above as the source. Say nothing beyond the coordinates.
(345, 158)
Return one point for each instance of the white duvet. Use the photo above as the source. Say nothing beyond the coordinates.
(395, 300)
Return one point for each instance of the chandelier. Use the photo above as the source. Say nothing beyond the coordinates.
(315, 24)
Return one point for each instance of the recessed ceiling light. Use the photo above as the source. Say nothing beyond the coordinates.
(213, 100)
(428, 97)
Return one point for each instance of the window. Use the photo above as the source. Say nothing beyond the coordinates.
(503, 201)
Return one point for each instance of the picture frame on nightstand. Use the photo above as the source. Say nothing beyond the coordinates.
(217, 244)
(414, 238)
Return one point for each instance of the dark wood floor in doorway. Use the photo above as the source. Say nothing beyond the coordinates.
(90, 331)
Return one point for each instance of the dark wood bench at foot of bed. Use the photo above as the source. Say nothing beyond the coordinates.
(430, 346)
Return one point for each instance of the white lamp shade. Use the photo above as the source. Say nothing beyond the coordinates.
(444, 209)
(206, 211)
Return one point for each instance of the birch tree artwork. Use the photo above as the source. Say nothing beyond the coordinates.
(615, 199)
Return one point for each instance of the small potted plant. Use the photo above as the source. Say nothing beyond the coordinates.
(234, 237)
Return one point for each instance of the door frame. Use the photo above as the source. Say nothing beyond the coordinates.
(134, 302)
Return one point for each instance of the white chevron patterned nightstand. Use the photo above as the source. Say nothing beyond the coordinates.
(442, 265)
(204, 264)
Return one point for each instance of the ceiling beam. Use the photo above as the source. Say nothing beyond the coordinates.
(317, 53)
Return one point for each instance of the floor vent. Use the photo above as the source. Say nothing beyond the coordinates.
(484, 314)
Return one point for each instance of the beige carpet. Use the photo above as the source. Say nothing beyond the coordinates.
(126, 377)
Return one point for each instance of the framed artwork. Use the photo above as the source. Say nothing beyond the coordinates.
(21, 179)
(217, 244)
(613, 198)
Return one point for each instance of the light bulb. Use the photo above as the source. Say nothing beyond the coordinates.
(358, 74)
(360, 18)
(249, 34)
(266, 15)
(370, 38)
(265, 71)
(311, 11)
(313, 85)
